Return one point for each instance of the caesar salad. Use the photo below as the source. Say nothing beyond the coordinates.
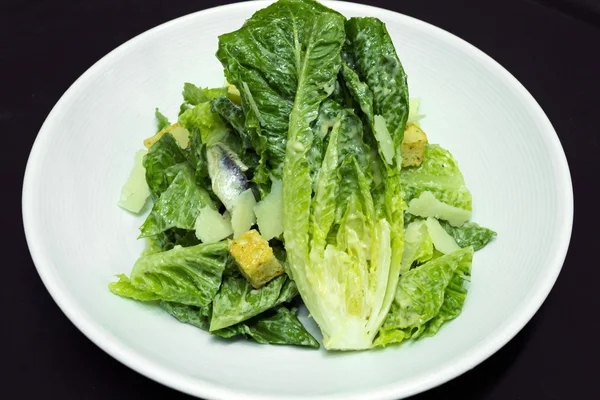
(307, 179)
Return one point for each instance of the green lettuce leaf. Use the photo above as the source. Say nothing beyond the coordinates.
(181, 237)
(276, 326)
(438, 174)
(350, 269)
(281, 54)
(360, 92)
(162, 121)
(375, 60)
(409, 219)
(341, 94)
(193, 315)
(234, 115)
(329, 113)
(210, 125)
(169, 239)
(363, 97)
(421, 295)
(160, 157)
(198, 159)
(343, 220)
(154, 244)
(178, 206)
(188, 275)
(454, 298)
(418, 246)
(469, 234)
(124, 288)
(193, 95)
(375, 78)
(238, 301)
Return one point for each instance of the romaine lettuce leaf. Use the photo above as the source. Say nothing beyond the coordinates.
(360, 92)
(344, 243)
(329, 112)
(178, 206)
(341, 94)
(154, 244)
(182, 237)
(409, 219)
(469, 234)
(168, 239)
(278, 56)
(162, 121)
(377, 64)
(193, 95)
(418, 245)
(375, 77)
(160, 157)
(378, 135)
(438, 174)
(277, 326)
(196, 154)
(193, 315)
(454, 297)
(212, 128)
(124, 288)
(188, 275)
(234, 115)
(354, 256)
(421, 295)
(238, 301)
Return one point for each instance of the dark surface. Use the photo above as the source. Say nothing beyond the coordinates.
(551, 46)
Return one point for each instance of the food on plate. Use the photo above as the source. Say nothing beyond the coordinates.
(307, 179)
(255, 258)
(413, 146)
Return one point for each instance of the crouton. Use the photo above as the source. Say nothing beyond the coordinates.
(413, 146)
(255, 258)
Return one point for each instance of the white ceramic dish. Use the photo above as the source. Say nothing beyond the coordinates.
(79, 239)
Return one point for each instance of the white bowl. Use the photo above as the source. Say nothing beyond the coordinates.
(508, 151)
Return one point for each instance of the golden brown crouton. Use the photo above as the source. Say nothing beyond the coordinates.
(255, 258)
(413, 146)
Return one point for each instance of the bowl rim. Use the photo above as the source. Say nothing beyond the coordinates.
(199, 387)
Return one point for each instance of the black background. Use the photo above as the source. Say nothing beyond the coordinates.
(551, 46)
